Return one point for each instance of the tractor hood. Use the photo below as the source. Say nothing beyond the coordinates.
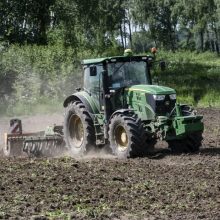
(152, 89)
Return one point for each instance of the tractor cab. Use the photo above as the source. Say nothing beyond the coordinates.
(125, 73)
(122, 71)
(109, 77)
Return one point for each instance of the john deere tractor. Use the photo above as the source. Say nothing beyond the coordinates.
(119, 107)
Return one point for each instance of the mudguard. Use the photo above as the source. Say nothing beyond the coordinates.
(85, 98)
(121, 111)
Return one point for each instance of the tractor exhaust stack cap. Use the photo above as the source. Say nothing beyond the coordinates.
(128, 53)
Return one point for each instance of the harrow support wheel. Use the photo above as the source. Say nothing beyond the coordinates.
(79, 131)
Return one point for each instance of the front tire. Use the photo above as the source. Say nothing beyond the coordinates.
(190, 144)
(127, 136)
(79, 132)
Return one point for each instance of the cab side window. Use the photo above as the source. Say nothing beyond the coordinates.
(93, 82)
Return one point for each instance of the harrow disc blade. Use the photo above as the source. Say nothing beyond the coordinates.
(44, 146)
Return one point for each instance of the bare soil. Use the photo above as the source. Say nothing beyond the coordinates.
(171, 186)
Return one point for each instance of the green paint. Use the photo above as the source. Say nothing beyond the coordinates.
(108, 59)
(136, 99)
(188, 124)
(91, 101)
(152, 89)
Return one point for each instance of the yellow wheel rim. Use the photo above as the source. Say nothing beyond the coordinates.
(76, 131)
(121, 138)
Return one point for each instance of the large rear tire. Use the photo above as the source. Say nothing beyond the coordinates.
(190, 144)
(127, 136)
(79, 132)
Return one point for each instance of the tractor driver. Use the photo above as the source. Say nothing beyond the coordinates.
(116, 75)
(127, 74)
(118, 79)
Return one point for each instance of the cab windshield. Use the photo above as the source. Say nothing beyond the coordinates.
(124, 74)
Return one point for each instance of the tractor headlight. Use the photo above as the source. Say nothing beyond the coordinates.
(173, 96)
(159, 97)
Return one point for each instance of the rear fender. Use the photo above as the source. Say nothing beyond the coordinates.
(121, 111)
(85, 99)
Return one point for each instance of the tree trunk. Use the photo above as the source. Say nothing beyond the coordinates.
(171, 37)
(125, 35)
(43, 20)
(202, 40)
(189, 36)
(130, 34)
(208, 42)
(122, 39)
(216, 40)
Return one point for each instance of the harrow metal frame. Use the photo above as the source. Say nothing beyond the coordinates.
(42, 143)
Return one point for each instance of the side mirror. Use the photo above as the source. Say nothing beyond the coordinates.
(93, 70)
(162, 65)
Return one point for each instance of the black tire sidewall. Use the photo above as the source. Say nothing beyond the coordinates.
(190, 144)
(74, 109)
(116, 121)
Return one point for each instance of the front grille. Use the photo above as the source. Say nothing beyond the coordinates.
(165, 106)
(161, 108)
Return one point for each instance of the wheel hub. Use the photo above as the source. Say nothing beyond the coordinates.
(121, 138)
(76, 131)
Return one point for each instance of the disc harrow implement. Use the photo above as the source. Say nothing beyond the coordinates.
(46, 143)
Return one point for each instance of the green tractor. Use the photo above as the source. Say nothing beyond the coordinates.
(120, 108)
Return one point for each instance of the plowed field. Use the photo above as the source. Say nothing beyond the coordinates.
(170, 186)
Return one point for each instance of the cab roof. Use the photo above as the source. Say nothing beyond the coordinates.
(116, 58)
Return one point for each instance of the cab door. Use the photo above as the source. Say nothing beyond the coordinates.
(93, 83)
